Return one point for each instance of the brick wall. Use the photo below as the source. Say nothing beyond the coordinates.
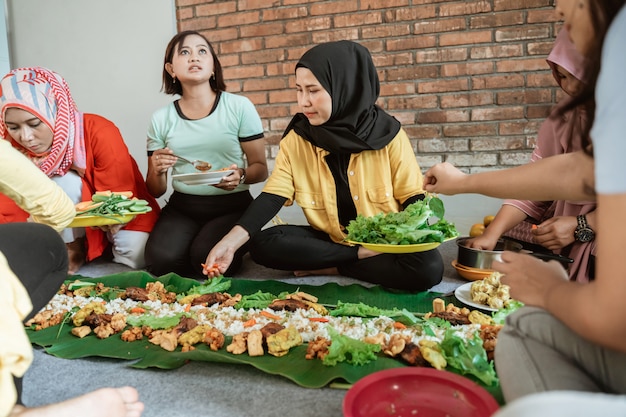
(467, 79)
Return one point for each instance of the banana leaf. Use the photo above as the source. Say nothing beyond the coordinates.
(59, 341)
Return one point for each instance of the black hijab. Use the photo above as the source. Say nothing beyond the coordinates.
(346, 71)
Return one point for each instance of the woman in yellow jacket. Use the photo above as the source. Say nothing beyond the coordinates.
(342, 156)
(33, 265)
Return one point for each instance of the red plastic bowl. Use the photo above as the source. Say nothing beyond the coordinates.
(421, 392)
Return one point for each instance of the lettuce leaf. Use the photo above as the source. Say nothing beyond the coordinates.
(500, 316)
(407, 227)
(468, 357)
(217, 284)
(154, 322)
(349, 350)
(363, 310)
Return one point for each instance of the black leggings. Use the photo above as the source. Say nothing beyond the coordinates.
(188, 228)
(302, 248)
(38, 257)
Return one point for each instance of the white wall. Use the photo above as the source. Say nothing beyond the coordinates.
(109, 51)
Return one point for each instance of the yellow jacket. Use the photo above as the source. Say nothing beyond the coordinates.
(380, 181)
(23, 182)
(16, 353)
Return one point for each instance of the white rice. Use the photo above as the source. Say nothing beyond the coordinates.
(230, 321)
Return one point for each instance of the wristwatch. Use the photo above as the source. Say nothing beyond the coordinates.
(583, 232)
(242, 177)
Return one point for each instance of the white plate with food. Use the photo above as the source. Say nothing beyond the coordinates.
(203, 178)
(462, 294)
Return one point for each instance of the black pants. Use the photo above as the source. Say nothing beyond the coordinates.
(38, 257)
(293, 248)
(188, 227)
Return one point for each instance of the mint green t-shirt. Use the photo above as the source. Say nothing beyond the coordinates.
(215, 138)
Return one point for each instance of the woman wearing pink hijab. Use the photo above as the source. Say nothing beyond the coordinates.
(81, 152)
(564, 227)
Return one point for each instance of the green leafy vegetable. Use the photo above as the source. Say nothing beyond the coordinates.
(468, 357)
(258, 300)
(114, 204)
(500, 315)
(363, 310)
(154, 322)
(349, 350)
(211, 285)
(408, 227)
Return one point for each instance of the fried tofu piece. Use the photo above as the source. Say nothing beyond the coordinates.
(255, 343)
(167, 340)
(439, 306)
(81, 331)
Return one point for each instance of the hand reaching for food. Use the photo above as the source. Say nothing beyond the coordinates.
(444, 178)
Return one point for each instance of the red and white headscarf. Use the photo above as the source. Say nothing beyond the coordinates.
(47, 96)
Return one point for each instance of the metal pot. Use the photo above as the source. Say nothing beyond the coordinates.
(482, 259)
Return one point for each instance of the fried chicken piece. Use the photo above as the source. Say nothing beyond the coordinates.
(489, 335)
(214, 339)
(94, 320)
(288, 305)
(210, 299)
(184, 325)
(238, 345)
(167, 340)
(132, 334)
(81, 331)
(396, 344)
(255, 343)
(156, 291)
(271, 328)
(412, 355)
(231, 300)
(104, 330)
(136, 293)
(45, 319)
(118, 322)
(317, 348)
(452, 317)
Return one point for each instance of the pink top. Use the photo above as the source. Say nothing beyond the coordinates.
(559, 134)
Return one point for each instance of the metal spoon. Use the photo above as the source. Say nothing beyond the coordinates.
(197, 164)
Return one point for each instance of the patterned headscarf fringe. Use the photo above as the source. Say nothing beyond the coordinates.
(29, 89)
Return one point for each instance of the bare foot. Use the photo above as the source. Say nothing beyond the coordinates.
(324, 271)
(76, 255)
(105, 402)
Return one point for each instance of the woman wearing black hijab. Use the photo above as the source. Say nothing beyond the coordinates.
(340, 157)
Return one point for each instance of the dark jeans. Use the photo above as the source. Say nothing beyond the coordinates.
(38, 257)
(302, 248)
(188, 227)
